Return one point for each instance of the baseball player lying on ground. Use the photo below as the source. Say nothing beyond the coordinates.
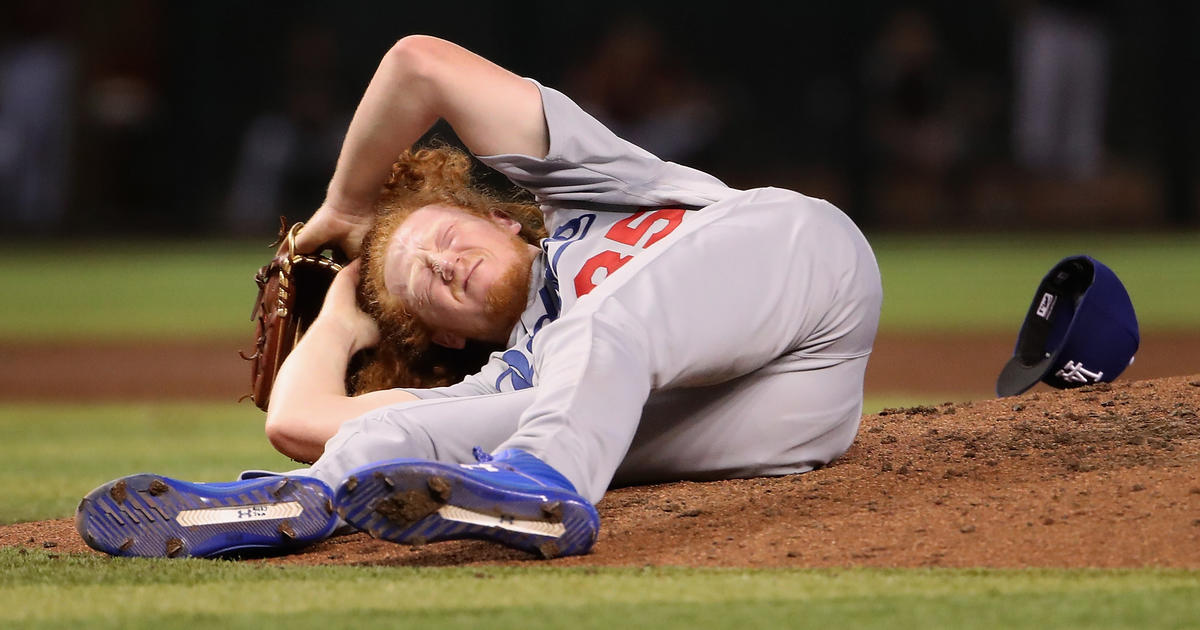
(667, 327)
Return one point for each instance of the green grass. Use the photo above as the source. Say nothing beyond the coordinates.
(42, 590)
(70, 449)
(117, 290)
(986, 282)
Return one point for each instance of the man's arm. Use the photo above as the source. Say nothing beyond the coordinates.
(420, 80)
(309, 401)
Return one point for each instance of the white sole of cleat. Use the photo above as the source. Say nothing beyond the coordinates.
(537, 528)
(244, 513)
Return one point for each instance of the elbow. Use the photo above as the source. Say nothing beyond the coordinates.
(279, 430)
(415, 58)
(288, 434)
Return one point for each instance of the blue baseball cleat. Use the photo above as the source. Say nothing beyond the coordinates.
(155, 517)
(514, 499)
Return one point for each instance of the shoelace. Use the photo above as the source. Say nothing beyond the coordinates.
(481, 455)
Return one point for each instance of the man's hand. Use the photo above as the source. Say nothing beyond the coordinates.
(340, 310)
(331, 226)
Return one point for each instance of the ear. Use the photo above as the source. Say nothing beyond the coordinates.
(449, 340)
(505, 221)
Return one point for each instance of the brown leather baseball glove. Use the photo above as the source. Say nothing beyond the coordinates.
(291, 289)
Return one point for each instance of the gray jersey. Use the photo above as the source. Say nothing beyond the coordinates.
(676, 328)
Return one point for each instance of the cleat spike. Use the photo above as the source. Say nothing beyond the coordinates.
(127, 544)
(328, 505)
(157, 487)
(174, 547)
(548, 549)
(382, 478)
(286, 486)
(286, 530)
(553, 511)
(351, 483)
(118, 492)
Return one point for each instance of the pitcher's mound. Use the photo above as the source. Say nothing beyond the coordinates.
(1102, 476)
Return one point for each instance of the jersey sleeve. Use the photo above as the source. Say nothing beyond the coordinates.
(588, 163)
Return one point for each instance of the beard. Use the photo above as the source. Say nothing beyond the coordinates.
(507, 297)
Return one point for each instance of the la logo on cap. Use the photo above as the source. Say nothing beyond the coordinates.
(1074, 372)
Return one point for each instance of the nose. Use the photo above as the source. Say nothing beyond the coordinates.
(442, 268)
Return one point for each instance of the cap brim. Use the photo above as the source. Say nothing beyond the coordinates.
(1017, 377)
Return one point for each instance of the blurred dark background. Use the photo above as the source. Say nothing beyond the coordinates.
(215, 118)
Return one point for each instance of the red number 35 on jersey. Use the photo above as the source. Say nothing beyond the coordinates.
(628, 231)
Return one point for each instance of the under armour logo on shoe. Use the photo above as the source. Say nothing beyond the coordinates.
(1074, 372)
(254, 512)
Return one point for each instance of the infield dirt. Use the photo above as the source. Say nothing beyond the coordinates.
(961, 365)
(1102, 476)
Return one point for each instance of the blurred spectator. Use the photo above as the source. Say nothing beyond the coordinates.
(1061, 86)
(634, 84)
(288, 152)
(913, 124)
(123, 118)
(930, 116)
(37, 77)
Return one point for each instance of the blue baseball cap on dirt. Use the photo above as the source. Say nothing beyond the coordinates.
(1080, 329)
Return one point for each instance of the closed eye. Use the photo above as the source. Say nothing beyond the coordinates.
(424, 296)
(433, 286)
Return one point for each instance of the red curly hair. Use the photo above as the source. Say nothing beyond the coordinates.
(406, 356)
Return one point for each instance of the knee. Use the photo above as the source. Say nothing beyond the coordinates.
(374, 437)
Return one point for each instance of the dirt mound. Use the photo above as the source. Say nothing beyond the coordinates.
(1104, 476)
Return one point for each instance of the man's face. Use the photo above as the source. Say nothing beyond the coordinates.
(464, 276)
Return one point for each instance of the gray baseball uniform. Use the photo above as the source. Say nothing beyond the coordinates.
(676, 328)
